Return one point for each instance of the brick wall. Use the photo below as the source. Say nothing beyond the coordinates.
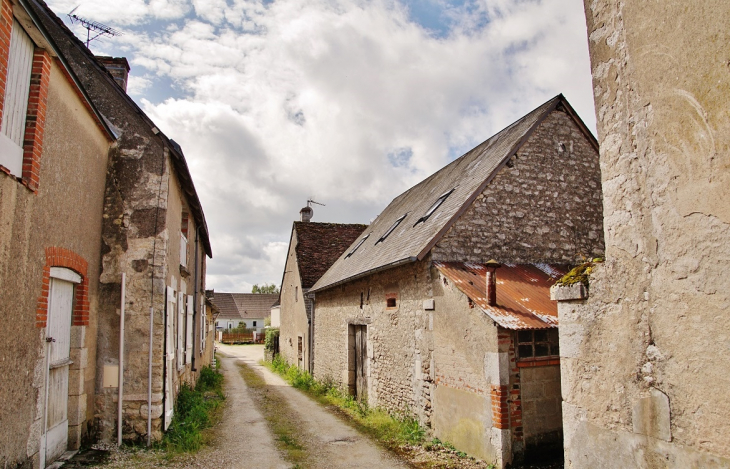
(546, 207)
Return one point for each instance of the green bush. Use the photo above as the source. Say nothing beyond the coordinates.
(271, 340)
(195, 410)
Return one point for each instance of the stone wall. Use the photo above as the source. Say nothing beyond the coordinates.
(544, 206)
(293, 310)
(64, 214)
(643, 363)
(399, 346)
(466, 364)
(542, 418)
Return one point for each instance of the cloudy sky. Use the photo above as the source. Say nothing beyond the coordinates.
(349, 102)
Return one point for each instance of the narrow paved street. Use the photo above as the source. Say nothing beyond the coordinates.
(329, 442)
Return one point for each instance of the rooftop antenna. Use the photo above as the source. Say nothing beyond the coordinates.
(310, 202)
(98, 28)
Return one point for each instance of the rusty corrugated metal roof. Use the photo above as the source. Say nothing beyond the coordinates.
(523, 292)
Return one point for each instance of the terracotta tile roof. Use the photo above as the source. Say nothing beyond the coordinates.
(319, 245)
(466, 177)
(523, 292)
(244, 305)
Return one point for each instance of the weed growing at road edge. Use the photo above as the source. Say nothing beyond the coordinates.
(400, 433)
(195, 410)
(392, 430)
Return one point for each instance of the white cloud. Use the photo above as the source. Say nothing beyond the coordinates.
(348, 101)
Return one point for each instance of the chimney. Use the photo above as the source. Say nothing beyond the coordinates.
(492, 266)
(306, 213)
(118, 67)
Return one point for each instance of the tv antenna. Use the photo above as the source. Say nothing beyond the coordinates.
(99, 29)
(310, 202)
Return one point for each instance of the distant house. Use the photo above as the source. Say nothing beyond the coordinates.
(416, 316)
(250, 309)
(313, 248)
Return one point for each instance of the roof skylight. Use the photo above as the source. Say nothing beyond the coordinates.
(357, 246)
(390, 230)
(433, 207)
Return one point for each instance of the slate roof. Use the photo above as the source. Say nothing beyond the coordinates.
(523, 292)
(244, 305)
(319, 245)
(467, 176)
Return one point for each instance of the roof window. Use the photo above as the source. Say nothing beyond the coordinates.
(356, 247)
(433, 207)
(390, 230)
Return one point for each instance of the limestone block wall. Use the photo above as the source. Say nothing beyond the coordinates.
(293, 310)
(400, 372)
(542, 417)
(544, 206)
(643, 361)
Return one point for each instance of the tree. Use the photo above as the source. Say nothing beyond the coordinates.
(265, 288)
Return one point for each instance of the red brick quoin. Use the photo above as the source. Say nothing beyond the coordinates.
(36, 118)
(6, 24)
(60, 257)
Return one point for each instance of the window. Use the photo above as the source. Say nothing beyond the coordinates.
(391, 229)
(254, 324)
(433, 207)
(391, 300)
(537, 344)
(15, 106)
(184, 224)
(296, 293)
(356, 247)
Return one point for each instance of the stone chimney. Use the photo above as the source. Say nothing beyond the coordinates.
(118, 67)
(306, 213)
(492, 267)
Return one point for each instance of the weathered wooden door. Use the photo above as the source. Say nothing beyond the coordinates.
(169, 354)
(361, 354)
(300, 352)
(58, 341)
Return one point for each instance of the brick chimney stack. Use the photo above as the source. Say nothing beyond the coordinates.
(306, 213)
(492, 267)
(118, 67)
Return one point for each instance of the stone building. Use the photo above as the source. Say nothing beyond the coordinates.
(54, 147)
(643, 358)
(313, 248)
(154, 231)
(403, 317)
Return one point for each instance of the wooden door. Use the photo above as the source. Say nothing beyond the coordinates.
(361, 354)
(300, 352)
(58, 333)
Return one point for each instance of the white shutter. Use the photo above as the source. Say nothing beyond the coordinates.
(180, 326)
(170, 355)
(203, 320)
(15, 108)
(189, 331)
